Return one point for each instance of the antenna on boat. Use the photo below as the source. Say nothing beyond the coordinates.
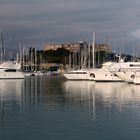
(93, 49)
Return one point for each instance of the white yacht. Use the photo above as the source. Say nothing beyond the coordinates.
(10, 70)
(104, 74)
(126, 70)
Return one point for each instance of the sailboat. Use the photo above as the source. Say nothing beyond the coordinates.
(79, 74)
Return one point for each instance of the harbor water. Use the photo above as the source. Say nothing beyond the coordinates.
(52, 108)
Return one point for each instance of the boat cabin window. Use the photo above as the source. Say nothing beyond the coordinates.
(133, 65)
(77, 72)
(10, 70)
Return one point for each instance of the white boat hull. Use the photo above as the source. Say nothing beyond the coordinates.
(11, 75)
(137, 78)
(78, 75)
(126, 76)
(105, 75)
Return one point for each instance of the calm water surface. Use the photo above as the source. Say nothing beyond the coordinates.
(51, 108)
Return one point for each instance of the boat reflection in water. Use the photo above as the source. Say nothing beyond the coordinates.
(117, 93)
(19, 97)
(11, 89)
(10, 95)
(81, 94)
(35, 95)
(102, 95)
(52, 108)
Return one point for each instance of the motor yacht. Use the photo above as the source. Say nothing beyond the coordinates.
(104, 73)
(126, 70)
(10, 70)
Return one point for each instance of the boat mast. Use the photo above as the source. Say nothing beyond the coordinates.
(89, 56)
(133, 51)
(93, 49)
(20, 53)
(2, 47)
(70, 61)
(35, 60)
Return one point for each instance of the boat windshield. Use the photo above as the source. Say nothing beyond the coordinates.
(134, 65)
(77, 72)
(10, 70)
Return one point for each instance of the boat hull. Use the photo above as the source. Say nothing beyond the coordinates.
(137, 78)
(126, 76)
(11, 75)
(78, 75)
(105, 76)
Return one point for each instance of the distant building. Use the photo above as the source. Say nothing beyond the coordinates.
(52, 47)
(73, 47)
(68, 46)
(102, 47)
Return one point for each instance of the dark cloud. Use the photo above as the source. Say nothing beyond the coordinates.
(42, 21)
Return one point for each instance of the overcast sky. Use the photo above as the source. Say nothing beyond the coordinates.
(37, 22)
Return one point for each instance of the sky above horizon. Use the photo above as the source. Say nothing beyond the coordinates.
(38, 22)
